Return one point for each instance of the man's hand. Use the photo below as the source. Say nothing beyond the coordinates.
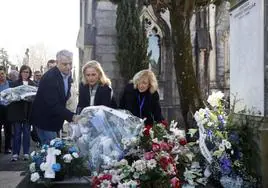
(76, 118)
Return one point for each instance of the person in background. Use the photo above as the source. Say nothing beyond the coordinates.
(51, 63)
(4, 84)
(13, 75)
(49, 107)
(141, 98)
(18, 115)
(37, 77)
(95, 88)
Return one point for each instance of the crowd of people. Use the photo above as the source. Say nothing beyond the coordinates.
(47, 113)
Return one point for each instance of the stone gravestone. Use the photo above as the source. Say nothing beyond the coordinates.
(249, 65)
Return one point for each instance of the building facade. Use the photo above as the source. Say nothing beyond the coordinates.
(97, 40)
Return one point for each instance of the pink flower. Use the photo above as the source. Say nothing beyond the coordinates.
(149, 155)
(164, 146)
(156, 147)
(175, 182)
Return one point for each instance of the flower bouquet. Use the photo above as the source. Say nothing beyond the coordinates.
(152, 161)
(57, 161)
(23, 92)
(103, 133)
(220, 144)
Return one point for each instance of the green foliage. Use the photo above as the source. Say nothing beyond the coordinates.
(248, 129)
(131, 40)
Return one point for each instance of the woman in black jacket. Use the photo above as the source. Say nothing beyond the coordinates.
(18, 115)
(95, 88)
(141, 98)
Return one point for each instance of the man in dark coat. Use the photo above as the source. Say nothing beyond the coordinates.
(49, 107)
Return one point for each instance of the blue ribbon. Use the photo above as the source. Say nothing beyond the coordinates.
(141, 103)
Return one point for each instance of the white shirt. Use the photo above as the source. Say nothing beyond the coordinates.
(25, 82)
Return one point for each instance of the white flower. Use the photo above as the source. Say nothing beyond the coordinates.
(105, 184)
(75, 155)
(43, 150)
(43, 166)
(228, 145)
(52, 142)
(209, 124)
(115, 179)
(67, 158)
(151, 164)
(124, 162)
(178, 132)
(57, 152)
(32, 167)
(34, 177)
(215, 98)
(221, 147)
(33, 153)
(139, 165)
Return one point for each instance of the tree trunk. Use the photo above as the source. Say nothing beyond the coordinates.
(190, 98)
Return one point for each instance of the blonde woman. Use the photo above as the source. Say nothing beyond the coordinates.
(141, 98)
(95, 88)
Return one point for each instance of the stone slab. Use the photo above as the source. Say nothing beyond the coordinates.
(10, 179)
(83, 182)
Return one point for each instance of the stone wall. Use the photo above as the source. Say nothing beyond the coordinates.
(105, 47)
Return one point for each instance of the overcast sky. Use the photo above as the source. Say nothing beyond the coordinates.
(24, 23)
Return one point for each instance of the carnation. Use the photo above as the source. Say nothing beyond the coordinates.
(35, 176)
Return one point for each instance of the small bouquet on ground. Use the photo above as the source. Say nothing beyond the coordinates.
(23, 92)
(220, 144)
(57, 161)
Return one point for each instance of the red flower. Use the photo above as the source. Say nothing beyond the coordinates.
(164, 161)
(105, 177)
(175, 182)
(155, 147)
(95, 182)
(183, 141)
(149, 155)
(164, 146)
(147, 129)
(164, 123)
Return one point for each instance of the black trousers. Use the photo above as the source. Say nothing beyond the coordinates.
(7, 129)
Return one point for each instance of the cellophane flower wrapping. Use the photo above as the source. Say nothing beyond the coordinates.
(103, 134)
(23, 92)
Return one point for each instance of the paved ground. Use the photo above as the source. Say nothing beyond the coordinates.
(12, 173)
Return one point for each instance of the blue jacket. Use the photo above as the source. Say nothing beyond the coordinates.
(49, 107)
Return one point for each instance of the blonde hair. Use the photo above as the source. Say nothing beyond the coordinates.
(143, 74)
(104, 80)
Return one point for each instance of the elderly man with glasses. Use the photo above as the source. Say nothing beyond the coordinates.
(49, 107)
